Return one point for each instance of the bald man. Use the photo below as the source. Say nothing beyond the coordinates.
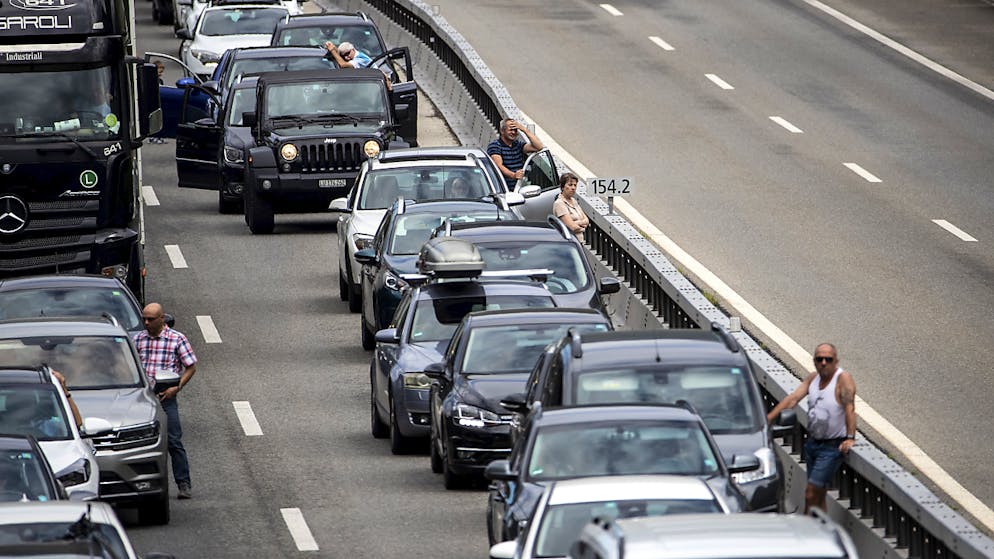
(169, 364)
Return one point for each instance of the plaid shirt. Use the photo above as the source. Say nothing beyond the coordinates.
(164, 356)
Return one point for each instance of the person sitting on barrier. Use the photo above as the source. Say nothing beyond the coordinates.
(508, 151)
(831, 394)
(567, 208)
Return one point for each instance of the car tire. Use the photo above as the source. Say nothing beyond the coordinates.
(491, 536)
(343, 286)
(258, 214)
(378, 429)
(368, 338)
(227, 205)
(399, 444)
(436, 457)
(451, 479)
(154, 513)
(165, 19)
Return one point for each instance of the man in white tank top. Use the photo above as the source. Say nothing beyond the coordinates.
(831, 394)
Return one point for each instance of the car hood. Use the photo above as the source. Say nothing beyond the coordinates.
(366, 221)
(220, 43)
(62, 454)
(739, 443)
(238, 136)
(487, 391)
(415, 357)
(120, 406)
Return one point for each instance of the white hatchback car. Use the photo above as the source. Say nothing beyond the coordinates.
(221, 28)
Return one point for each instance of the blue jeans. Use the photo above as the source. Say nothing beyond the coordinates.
(824, 459)
(181, 467)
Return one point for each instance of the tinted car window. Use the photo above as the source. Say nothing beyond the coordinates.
(633, 448)
(77, 301)
(513, 349)
(242, 101)
(413, 230)
(355, 98)
(281, 64)
(85, 361)
(251, 21)
(436, 320)
(721, 395)
(26, 410)
(12, 535)
(362, 36)
(381, 187)
(564, 259)
(22, 477)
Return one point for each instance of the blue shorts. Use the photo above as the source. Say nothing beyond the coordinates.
(823, 458)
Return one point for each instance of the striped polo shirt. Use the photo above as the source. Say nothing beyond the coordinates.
(512, 155)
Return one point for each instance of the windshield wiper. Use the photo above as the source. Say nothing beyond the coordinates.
(300, 120)
(62, 135)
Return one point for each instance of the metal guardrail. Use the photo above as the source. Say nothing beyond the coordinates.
(888, 512)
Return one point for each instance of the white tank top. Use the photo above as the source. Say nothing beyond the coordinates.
(826, 418)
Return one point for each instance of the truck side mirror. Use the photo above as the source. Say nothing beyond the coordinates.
(149, 104)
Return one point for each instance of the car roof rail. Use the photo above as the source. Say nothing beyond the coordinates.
(575, 342)
(363, 15)
(558, 224)
(45, 372)
(110, 318)
(401, 204)
(726, 337)
(687, 406)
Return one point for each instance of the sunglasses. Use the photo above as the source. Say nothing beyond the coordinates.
(824, 359)
(150, 318)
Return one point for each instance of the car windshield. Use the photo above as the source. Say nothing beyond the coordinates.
(412, 230)
(276, 64)
(30, 534)
(614, 448)
(22, 477)
(72, 301)
(82, 104)
(326, 104)
(721, 395)
(242, 101)
(363, 37)
(33, 410)
(382, 187)
(562, 524)
(435, 320)
(513, 349)
(569, 273)
(85, 361)
(241, 21)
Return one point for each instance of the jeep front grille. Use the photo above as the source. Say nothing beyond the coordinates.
(341, 156)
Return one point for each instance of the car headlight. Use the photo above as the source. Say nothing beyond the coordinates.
(206, 56)
(394, 282)
(362, 240)
(371, 148)
(767, 468)
(78, 472)
(472, 416)
(419, 381)
(234, 155)
(289, 152)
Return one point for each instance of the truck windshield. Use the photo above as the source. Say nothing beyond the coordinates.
(83, 104)
(321, 99)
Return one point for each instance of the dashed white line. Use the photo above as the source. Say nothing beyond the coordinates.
(868, 176)
(208, 329)
(176, 256)
(247, 418)
(963, 235)
(718, 81)
(786, 124)
(611, 10)
(148, 193)
(299, 531)
(661, 43)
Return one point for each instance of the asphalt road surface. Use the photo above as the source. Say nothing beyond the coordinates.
(290, 349)
(790, 212)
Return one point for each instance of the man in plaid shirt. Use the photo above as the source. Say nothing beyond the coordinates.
(169, 364)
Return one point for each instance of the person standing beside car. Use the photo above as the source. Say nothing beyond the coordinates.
(831, 393)
(170, 364)
(567, 207)
(508, 151)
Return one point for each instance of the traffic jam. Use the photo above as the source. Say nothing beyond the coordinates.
(490, 340)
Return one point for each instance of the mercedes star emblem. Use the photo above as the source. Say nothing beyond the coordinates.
(13, 214)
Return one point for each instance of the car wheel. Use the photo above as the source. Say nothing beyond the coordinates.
(258, 214)
(368, 338)
(491, 519)
(436, 457)
(451, 479)
(343, 286)
(379, 429)
(165, 18)
(154, 513)
(227, 205)
(399, 444)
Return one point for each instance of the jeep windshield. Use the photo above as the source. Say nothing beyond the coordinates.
(85, 361)
(314, 107)
(81, 104)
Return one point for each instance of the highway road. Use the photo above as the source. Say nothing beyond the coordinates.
(861, 215)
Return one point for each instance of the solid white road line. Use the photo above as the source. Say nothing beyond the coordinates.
(176, 257)
(148, 194)
(611, 10)
(931, 65)
(783, 122)
(247, 418)
(661, 43)
(299, 531)
(963, 235)
(718, 81)
(208, 329)
(741, 307)
(870, 177)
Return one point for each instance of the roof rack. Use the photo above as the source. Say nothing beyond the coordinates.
(730, 342)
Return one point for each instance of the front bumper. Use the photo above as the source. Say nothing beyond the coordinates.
(469, 449)
(136, 474)
(413, 417)
(301, 185)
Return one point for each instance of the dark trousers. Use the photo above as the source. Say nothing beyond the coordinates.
(181, 467)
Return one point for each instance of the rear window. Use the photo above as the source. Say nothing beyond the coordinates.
(361, 36)
(514, 349)
(35, 411)
(435, 320)
(569, 273)
(85, 361)
(75, 301)
(412, 230)
(248, 21)
(381, 188)
(23, 477)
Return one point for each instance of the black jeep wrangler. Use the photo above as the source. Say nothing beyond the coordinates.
(312, 130)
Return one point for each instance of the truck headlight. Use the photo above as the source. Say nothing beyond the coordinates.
(289, 152)
(767, 468)
(206, 56)
(371, 148)
(418, 381)
(471, 416)
(234, 155)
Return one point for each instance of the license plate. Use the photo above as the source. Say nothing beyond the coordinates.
(331, 183)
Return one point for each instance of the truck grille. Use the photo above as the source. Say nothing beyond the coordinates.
(340, 156)
(58, 238)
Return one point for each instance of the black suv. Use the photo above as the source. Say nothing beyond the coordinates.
(312, 130)
(706, 368)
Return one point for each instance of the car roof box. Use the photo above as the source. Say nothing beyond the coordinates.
(450, 258)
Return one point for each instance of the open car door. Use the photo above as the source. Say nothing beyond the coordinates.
(540, 170)
(198, 139)
(396, 64)
(171, 97)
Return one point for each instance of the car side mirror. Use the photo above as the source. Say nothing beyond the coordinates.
(504, 550)
(185, 82)
(339, 205)
(184, 34)
(249, 120)
(93, 426)
(170, 320)
(609, 285)
(515, 403)
(388, 336)
(743, 463)
(514, 198)
(435, 371)
(530, 190)
(499, 470)
(365, 256)
(785, 423)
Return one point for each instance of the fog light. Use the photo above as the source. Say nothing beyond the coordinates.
(286, 167)
(267, 184)
(143, 485)
(120, 271)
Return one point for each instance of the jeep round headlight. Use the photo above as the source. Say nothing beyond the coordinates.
(288, 152)
(372, 148)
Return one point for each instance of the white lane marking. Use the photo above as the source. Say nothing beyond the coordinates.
(868, 176)
(176, 256)
(786, 124)
(880, 37)
(247, 418)
(914, 454)
(718, 81)
(963, 235)
(208, 329)
(148, 193)
(611, 10)
(299, 531)
(661, 43)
